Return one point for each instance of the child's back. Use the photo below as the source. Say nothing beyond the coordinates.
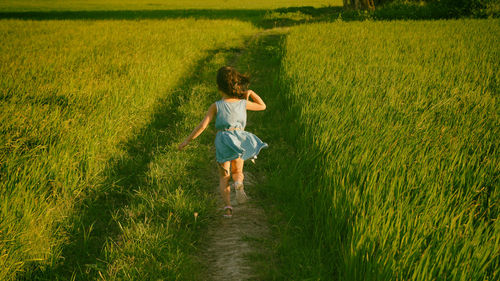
(232, 141)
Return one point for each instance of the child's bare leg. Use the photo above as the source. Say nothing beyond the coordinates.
(224, 177)
(237, 170)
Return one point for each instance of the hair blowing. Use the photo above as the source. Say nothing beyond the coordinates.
(231, 82)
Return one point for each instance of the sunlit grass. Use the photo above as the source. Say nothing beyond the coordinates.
(69, 5)
(390, 172)
(397, 141)
(72, 94)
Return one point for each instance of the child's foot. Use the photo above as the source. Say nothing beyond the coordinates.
(241, 196)
(229, 212)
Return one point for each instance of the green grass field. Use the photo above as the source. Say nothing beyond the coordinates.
(73, 95)
(397, 139)
(72, 5)
(383, 160)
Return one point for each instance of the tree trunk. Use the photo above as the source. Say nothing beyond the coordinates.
(359, 4)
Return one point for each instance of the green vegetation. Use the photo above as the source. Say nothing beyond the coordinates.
(75, 96)
(383, 138)
(455, 8)
(392, 172)
(72, 5)
(436, 9)
(447, 8)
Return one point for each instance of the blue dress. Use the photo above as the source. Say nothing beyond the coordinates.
(232, 141)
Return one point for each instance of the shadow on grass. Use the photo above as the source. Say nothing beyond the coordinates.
(96, 222)
(263, 61)
(295, 192)
(285, 174)
(134, 14)
(260, 18)
(281, 17)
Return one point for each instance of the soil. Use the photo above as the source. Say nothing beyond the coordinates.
(232, 242)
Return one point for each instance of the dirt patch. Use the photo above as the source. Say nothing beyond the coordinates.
(231, 242)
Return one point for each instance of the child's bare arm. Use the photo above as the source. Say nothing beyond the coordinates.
(212, 111)
(257, 104)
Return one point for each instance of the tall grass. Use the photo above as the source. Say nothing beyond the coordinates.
(68, 5)
(395, 170)
(72, 93)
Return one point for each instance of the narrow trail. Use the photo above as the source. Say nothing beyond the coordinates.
(231, 242)
(233, 245)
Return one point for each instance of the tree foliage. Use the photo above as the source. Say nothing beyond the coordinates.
(359, 4)
(459, 7)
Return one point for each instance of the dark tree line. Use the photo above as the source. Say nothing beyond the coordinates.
(461, 6)
(359, 4)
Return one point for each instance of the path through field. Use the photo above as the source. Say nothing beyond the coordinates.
(237, 247)
(232, 242)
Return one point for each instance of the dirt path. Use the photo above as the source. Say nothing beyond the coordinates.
(234, 245)
(232, 242)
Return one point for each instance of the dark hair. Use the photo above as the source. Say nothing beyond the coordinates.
(231, 82)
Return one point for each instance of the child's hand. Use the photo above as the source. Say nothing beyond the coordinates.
(182, 145)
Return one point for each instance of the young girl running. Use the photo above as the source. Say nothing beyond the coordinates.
(233, 144)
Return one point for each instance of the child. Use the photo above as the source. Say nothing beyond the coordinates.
(233, 145)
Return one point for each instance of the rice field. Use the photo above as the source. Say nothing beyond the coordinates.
(397, 132)
(383, 160)
(96, 5)
(73, 93)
